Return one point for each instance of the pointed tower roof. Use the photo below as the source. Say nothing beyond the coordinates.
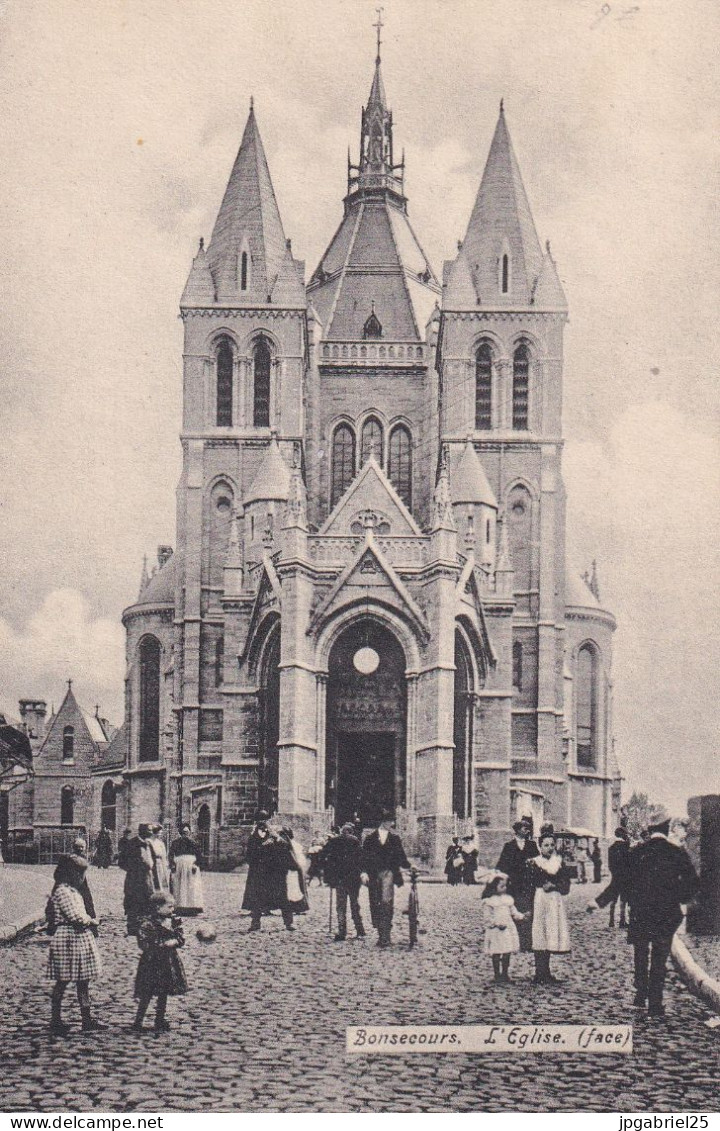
(548, 293)
(375, 256)
(501, 224)
(199, 289)
(249, 220)
(469, 483)
(377, 95)
(272, 480)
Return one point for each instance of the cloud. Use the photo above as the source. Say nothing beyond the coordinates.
(645, 504)
(62, 641)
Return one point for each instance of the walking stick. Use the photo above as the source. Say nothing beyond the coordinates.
(330, 918)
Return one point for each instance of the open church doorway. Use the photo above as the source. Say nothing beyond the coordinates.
(366, 723)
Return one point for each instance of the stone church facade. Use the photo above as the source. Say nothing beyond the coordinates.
(369, 604)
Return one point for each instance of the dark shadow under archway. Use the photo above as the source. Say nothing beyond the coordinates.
(366, 725)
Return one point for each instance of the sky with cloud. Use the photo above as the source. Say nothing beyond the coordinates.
(121, 123)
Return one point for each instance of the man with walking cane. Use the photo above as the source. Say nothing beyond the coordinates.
(342, 867)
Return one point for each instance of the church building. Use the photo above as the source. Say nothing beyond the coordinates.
(369, 604)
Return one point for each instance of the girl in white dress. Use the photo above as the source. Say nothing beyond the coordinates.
(501, 937)
(551, 880)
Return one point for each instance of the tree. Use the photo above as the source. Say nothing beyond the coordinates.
(639, 812)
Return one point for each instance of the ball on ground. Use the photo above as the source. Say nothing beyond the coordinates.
(206, 933)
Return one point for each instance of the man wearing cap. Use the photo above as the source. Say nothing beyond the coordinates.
(661, 878)
(383, 856)
(513, 862)
(341, 862)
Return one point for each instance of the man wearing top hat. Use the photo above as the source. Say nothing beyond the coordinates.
(383, 856)
(513, 862)
(661, 878)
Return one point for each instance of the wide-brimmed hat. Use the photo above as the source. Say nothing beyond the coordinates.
(144, 828)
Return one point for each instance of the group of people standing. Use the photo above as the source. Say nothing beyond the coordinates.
(278, 867)
(525, 903)
(461, 861)
(152, 911)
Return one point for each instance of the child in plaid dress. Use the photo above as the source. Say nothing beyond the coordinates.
(160, 970)
(74, 954)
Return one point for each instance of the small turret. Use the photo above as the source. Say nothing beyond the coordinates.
(199, 289)
(475, 505)
(266, 498)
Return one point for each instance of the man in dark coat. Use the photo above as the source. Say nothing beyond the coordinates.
(123, 848)
(383, 856)
(617, 889)
(341, 861)
(661, 878)
(269, 859)
(513, 862)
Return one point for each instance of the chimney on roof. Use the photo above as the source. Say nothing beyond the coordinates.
(33, 713)
(164, 553)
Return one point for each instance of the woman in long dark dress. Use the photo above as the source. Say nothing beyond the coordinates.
(140, 878)
(454, 862)
(268, 858)
(103, 849)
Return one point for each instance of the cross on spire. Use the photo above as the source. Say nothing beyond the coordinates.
(379, 25)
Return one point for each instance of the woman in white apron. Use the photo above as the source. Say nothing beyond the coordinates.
(551, 881)
(186, 878)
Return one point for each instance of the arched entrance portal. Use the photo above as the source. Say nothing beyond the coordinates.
(366, 723)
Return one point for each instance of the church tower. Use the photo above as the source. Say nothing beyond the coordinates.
(367, 608)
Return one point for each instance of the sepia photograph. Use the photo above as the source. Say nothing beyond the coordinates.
(359, 527)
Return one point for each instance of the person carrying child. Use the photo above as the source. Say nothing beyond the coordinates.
(501, 937)
(160, 970)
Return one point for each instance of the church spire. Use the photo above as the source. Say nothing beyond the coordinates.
(248, 256)
(376, 168)
(500, 258)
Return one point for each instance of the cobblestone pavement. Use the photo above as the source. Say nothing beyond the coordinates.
(23, 891)
(263, 1026)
